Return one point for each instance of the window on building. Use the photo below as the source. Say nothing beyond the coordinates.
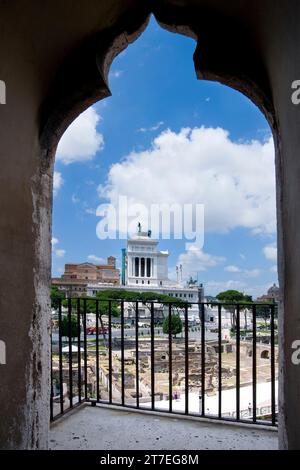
(136, 281)
(142, 267)
(136, 267)
(148, 267)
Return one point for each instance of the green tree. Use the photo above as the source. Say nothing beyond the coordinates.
(65, 326)
(88, 305)
(56, 295)
(232, 297)
(104, 297)
(263, 310)
(145, 298)
(113, 297)
(176, 325)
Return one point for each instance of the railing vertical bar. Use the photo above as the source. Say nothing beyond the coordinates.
(70, 353)
(61, 389)
(109, 352)
(66, 371)
(170, 361)
(238, 377)
(51, 390)
(220, 360)
(254, 367)
(79, 349)
(152, 359)
(186, 369)
(202, 359)
(273, 398)
(122, 353)
(97, 351)
(137, 385)
(85, 351)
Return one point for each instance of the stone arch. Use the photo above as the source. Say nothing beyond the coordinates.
(96, 54)
(59, 70)
(82, 79)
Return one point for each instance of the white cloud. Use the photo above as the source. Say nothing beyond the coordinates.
(116, 73)
(273, 269)
(270, 252)
(90, 210)
(60, 253)
(90, 182)
(75, 199)
(252, 272)
(57, 182)
(243, 272)
(57, 251)
(235, 181)
(194, 260)
(95, 259)
(152, 128)
(81, 141)
(232, 269)
(215, 287)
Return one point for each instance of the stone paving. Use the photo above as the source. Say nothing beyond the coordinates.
(100, 428)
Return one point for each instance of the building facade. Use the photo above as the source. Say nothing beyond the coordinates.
(145, 264)
(145, 269)
(271, 296)
(77, 276)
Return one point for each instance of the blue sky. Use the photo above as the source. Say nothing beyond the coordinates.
(165, 137)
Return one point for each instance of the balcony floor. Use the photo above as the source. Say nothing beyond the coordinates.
(100, 428)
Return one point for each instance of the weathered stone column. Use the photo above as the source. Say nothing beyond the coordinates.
(25, 217)
(282, 49)
(53, 64)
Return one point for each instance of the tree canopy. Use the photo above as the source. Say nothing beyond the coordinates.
(176, 325)
(144, 297)
(114, 296)
(234, 297)
(56, 295)
(65, 326)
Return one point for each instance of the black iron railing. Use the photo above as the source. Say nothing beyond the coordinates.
(220, 364)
